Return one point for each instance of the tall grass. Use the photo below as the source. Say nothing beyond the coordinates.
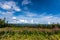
(26, 34)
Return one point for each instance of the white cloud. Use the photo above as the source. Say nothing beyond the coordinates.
(22, 20)
(17, 9)
(14, 18)
(48, 22)
(5, 6)
(30, 14)
(9, 5)
(32, 21)
(25, 2)
(38, 19)
(44, 19)
(25, 21)
(50, 19)
(7, 13)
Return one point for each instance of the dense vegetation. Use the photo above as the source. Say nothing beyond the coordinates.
(29, 31)
(28, 34)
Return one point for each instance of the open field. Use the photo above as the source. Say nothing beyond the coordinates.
(29, 31)
(18, 33)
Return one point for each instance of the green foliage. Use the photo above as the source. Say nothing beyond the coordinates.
(2, 23)
(29, 35)
(49, 26)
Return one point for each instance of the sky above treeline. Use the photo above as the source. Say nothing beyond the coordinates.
(30, 11)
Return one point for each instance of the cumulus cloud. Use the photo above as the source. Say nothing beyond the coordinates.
(49, 19)
(9, 5)
(16, 8)
(7, 13)
(23, 21)
(8, 10)
(49, 23)
(32, 21)
(43, 19)
(13, 18)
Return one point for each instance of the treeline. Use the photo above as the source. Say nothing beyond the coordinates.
(3, 23)
(50, 26)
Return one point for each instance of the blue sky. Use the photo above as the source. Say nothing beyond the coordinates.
(30, 11)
